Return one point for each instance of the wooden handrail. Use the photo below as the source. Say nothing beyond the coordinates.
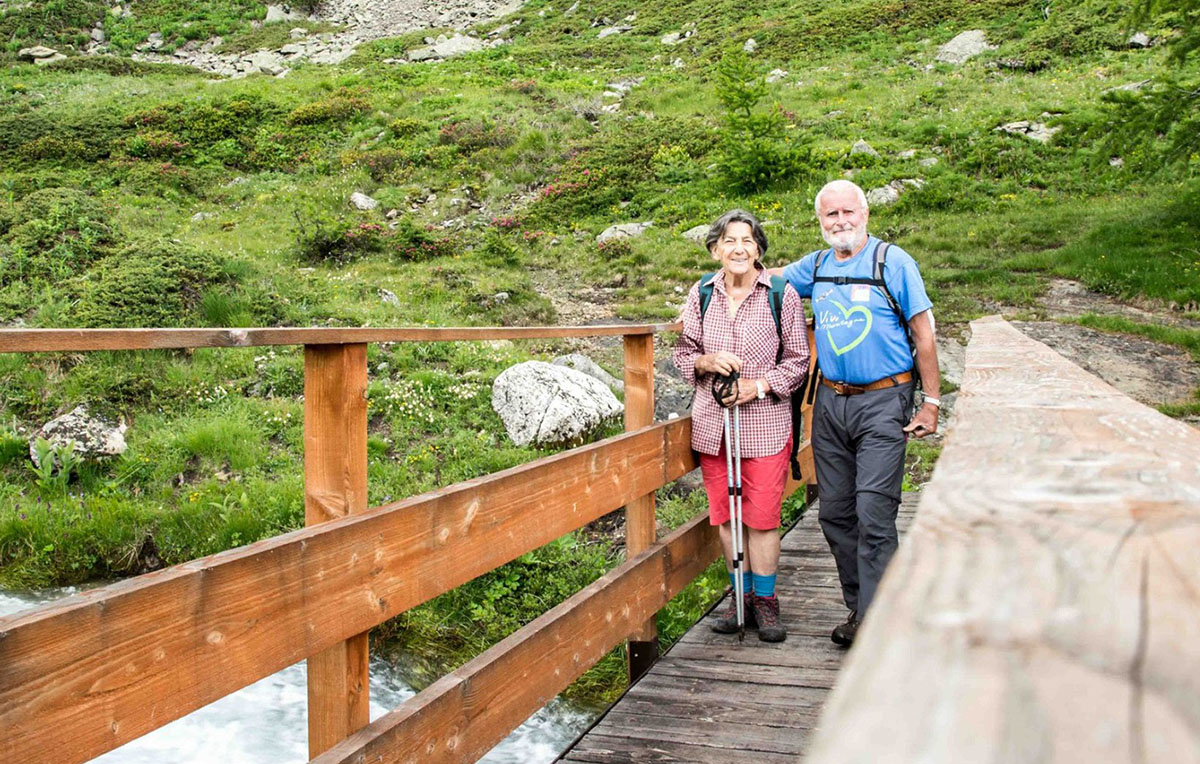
(1045, 605)
(463, 714)
(98, 669)
(77, 340)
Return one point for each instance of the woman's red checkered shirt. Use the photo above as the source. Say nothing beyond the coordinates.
(752, 337)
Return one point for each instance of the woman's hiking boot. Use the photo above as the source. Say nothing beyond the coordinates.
(766, 615)
(726, 623)
(844, 633)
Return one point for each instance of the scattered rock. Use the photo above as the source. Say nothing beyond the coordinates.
(298, 33)
(907, 154)
(98, 35)
(623, 231)
(36, 53)
(672, 396)
(750, 46)
(542, 403)
(90, 437)
(200, 217)
(1139, 40)
(49, 59)
(1034, 131)
(927, 162)
(278, 13)
(674, 38)
(361, 201)
(964, 47)
(862, 147)
(499, 298)
(388, 297)
(610, 31)
(1117, 162)
(891, 193)
(580, 362)
(697, 234)
(448, 48)
(775, 75)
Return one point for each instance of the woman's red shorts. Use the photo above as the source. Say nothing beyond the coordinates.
(763, 481)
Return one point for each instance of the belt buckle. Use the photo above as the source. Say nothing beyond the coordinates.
(843, 388)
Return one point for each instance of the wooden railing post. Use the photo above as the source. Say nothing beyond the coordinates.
(335, 484)
(639, 513)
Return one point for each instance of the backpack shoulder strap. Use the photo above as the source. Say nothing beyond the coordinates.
(778, 284)
(706, 293)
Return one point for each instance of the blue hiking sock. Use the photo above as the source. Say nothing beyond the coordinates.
(764, 586)
(747, 581)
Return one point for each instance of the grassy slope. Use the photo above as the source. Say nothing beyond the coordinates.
(214, 440)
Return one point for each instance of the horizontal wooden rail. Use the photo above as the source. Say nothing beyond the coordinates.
(96, 670)
(78, 340)
(463, 714)
(1045, 605)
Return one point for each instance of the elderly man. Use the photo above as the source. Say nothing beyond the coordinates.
(873, 325)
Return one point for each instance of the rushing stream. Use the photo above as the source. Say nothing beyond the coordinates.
(267, 722)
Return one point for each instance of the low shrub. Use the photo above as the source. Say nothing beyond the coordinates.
(124, 67)
(53, 234)
(341, 240)
(339, 107)
(471, 135)
(405, 127)
(149, 283)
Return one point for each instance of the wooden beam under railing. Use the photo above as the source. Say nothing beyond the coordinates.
(1045, 604)
(96, 670)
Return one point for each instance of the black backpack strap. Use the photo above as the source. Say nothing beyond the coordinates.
(880, 261)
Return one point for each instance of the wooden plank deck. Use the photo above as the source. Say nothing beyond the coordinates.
(711, 699)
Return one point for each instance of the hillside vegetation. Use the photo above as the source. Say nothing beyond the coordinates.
(139, 194)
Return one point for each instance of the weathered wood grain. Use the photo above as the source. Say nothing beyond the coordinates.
(1045, 606)
(76, 340)
(462, 715)
(96, 670)
(335, 485)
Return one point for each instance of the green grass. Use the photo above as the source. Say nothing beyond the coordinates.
(1188, 339)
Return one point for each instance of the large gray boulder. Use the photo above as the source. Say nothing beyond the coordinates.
(697, 234)
(90, 437)
(542, 403)
(964, 47)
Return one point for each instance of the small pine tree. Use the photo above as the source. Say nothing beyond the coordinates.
(1162, 123)
(756, 149)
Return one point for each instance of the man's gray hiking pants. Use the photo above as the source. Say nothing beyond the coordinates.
(858, 445)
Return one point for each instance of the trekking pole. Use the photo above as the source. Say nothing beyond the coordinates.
(735, 554)
(737, 515)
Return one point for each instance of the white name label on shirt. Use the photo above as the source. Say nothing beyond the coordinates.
(860, 292)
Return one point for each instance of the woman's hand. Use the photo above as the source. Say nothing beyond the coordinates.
(721, 362)
(746, 391)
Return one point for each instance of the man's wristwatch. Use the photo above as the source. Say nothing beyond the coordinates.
(758, 385)
(934, 401)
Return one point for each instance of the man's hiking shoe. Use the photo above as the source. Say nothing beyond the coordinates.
(766, 615)
(726, 623)
(844, 633)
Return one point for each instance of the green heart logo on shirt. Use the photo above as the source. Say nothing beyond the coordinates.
(846, 314)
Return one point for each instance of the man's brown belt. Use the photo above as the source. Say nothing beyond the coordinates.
(844, 388)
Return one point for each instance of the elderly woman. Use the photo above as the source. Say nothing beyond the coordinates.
(737, 331)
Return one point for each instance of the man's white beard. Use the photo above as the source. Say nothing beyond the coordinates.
(843, 241)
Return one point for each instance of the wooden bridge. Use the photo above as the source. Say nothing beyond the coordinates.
(1044, 605)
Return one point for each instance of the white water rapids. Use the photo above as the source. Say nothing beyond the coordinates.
(267, 722)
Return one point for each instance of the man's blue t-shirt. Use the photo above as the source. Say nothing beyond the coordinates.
(859, 337)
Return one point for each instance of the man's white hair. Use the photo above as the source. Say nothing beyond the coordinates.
(839, 185)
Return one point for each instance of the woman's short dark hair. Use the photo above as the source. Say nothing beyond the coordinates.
(737, 216)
